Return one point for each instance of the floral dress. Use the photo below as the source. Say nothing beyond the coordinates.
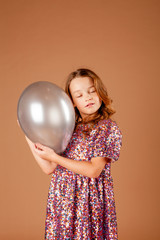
(80, 207)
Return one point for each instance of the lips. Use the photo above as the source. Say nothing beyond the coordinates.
(89, 105)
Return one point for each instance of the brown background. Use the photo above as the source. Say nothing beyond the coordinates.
(46, 40)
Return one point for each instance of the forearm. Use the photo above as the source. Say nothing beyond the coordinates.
(80, 167)
(90, 169)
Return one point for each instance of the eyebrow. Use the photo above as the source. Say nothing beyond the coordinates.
(80, 90)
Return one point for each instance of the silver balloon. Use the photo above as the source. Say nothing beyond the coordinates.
(46, 115)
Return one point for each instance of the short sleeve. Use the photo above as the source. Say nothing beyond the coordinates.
(108, 141)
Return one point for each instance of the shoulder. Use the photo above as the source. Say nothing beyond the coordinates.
(106, 127)
(108, 124)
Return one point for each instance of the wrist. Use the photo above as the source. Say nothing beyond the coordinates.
(55, 158)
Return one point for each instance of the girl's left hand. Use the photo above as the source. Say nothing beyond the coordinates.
(45, 152)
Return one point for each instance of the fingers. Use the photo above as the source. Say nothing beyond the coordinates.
(39, 149)
(40, 146)
(43, 147)
(18, 123)
(30, 143)
(28, 140)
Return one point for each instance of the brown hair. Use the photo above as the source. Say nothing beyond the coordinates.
(105, 111)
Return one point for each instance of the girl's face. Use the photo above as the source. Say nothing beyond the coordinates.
(84, 96)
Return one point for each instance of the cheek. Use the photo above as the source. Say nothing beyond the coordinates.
(76, 102)
(98, 99)
(79, 104)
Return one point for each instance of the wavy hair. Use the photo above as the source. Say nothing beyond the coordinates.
(106, 110)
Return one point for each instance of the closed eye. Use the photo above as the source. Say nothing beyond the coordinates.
(92, 90)
(78, 96)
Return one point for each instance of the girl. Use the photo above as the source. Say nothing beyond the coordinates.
(81, 201)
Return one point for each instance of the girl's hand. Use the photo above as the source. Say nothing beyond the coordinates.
(48, 167)
(18, 123)
(29, 141)
(45, 152)
(40, 150)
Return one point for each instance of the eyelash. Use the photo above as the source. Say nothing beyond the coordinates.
(79, 96)
(92, 91)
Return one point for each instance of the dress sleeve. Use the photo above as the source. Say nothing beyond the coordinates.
(108, 142)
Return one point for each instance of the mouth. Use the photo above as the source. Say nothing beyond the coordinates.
(89, 105)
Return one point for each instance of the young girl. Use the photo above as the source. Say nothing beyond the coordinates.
(81, 201)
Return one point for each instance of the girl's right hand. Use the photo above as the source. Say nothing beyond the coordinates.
(18, 123)
(46, 166)
(30, 143)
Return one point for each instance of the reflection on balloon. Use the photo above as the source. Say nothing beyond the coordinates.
(46, 115)
(37, 112)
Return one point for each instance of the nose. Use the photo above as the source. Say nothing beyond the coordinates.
(88, 97)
